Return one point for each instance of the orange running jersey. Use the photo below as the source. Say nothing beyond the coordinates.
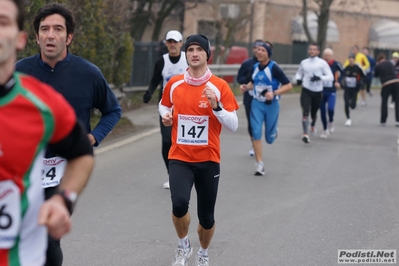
(195, 129)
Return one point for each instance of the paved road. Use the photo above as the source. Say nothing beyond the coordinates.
(339, 193)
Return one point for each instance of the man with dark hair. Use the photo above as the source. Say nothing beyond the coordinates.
(362, 61)
(32, 116)
(79, 81)
(202, 103)
(370, 72)
(168, 65)
(390, 86)
(268, 82)
(312, 72)
(351, 82)
(243, 77)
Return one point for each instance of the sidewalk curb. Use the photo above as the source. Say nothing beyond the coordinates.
(125, 141)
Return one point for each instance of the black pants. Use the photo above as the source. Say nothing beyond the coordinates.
(367, 84)
(54, 256)
(248, 115)
(391, 89)
(166, 133)
(310, 101)
(350, 96)
(205, 177)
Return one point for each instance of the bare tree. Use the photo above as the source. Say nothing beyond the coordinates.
(323, 16)
(155, 12)
(229, 19)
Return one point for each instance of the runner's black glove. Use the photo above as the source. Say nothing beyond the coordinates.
(314, 78)
(146, 97)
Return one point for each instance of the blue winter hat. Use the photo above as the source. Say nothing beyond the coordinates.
(267, 47)
(257, 43)
(200, 40)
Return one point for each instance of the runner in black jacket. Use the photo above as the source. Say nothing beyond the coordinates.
(390, 86)
(351, 82)
(168, 65)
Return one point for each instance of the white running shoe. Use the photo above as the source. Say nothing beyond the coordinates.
(313, 131)
(325, 134)
(363, 103)
(182, 255)
(166, 185)
(201, 260)
(251, 152)
(331, 128)
(305, 138)
(260, 169)
(348, 122)
(392, 105)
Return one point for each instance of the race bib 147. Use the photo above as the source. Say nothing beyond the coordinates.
(192, 130)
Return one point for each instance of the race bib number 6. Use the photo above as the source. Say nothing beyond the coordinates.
(10, 214)
(192, 130)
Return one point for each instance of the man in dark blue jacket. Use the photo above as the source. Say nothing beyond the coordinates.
(370, 72)
(79, 81)
(243, 77)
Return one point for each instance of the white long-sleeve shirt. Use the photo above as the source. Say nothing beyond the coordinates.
(314, 66)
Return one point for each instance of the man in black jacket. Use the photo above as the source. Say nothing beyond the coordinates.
(243, 77)
(390, 86)
(170, 64)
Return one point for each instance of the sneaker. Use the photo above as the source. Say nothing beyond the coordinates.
(370, 94)
(260, 169)
(363, 103)
(331, 128)
(306, 139)
(201, 260)
(251, 152)
(325, 134)
(392, 105)
(313, 131)
(397, 124)
(166, 185)
(348, 122)
(182, 255)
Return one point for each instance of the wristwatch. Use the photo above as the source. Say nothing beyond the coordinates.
(69, 198)
(218, 108)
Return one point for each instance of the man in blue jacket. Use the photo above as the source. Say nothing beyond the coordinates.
(267, 82)
(79, 81)
(370, 72)
(243, 77)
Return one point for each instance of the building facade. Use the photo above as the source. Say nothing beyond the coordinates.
(371, 23)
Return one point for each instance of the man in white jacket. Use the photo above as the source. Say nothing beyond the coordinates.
(312, 72)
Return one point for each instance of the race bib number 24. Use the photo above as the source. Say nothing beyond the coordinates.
(192, 130)
(52, 171)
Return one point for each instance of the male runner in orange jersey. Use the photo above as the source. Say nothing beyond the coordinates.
(202, 103)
